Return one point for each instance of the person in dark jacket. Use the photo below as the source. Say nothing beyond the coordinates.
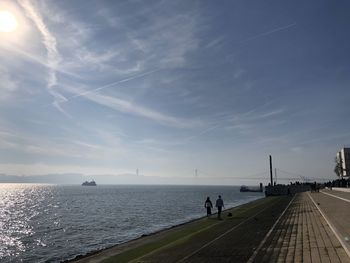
(219, 205)
(208, 205)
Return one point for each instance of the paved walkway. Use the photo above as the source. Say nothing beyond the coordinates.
(336, 208)
(302, 235)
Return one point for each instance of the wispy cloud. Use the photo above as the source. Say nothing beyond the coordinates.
(171, 35)
(50, 43)
(41, 168)
(57, 105)
(119, 104)
(110, 85)
(8, 83)
(269, 114)
(37, 59)
(200, 133)
(275, 30)
(244, 122)
(215, 42)
(162, 42)
(260, 113)
(58, 147)
(126, 106)
(131, 108)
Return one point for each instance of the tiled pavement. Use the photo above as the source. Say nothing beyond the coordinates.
(301, 235)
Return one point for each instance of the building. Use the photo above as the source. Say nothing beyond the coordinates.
(343, 163)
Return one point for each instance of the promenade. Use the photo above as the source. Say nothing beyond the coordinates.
(310, 227)
(305, 233)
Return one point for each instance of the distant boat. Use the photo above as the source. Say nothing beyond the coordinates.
(91, 183)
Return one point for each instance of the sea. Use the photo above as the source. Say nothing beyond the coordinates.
(53, 223)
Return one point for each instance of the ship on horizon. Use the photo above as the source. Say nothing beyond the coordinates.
(91, 183)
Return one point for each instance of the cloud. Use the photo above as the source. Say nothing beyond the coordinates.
(59, 147)
(269, 114)
(200, 133)
(110, 85)
(244, 119)
(7, 83)
(278, 29)
(245, 123)
(162, 42)
(31, 57)
(124, 105)
(215, 42)
(50, 43)
(49, 40)
(57, 105)
(128, 107)
(41, 168)
(121, 60)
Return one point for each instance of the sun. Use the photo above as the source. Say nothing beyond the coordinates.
(8, 22)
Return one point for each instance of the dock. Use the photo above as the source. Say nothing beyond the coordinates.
(305, 227)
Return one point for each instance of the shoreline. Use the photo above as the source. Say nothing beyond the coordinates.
(131, 241)
(123, 246)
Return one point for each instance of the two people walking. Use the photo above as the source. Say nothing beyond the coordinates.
(219, 205)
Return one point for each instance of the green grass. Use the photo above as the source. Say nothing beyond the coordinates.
(188, 230)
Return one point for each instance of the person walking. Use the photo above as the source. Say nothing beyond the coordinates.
(208, 205)
(219, 205)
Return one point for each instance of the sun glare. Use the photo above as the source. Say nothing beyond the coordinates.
(8, 22)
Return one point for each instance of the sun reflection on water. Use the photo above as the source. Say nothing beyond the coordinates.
(19, 204)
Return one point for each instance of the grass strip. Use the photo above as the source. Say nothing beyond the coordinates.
(186, 231)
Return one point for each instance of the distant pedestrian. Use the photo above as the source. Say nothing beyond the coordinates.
(208, 205)
(219, 204)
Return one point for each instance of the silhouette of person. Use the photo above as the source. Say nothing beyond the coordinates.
(219, 205)
(208, 205)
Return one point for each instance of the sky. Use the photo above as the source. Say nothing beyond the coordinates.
(168, 87)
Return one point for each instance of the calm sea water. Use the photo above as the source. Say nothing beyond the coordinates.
(49, 223)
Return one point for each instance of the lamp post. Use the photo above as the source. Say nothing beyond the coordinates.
(271, 171)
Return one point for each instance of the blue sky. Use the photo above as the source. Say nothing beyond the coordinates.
(105, 87)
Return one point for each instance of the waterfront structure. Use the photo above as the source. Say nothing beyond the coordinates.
(343, 163)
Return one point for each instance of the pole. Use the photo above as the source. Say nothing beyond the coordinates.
(271, 171)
